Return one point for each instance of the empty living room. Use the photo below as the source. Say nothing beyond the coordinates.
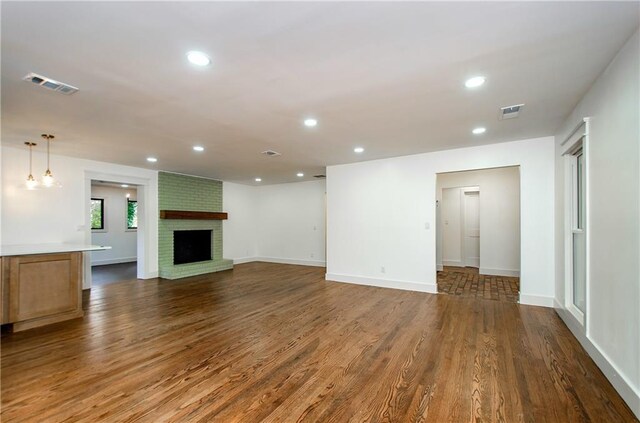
(320, 211)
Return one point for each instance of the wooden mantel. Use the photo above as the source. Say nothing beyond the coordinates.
(192, 215)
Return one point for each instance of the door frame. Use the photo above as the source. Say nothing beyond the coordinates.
(144, 241)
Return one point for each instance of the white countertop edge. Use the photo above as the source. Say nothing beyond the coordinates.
(26, 249)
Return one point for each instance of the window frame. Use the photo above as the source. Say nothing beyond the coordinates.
(577, 144)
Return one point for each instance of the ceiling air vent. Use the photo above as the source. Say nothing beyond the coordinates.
(320, 176)
(51, 84)
(271, 153)
(510, 112)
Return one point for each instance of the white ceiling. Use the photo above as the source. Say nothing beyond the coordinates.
(385, 76)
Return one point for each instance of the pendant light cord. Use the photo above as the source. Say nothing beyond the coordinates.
(48, 137)
(30, 145)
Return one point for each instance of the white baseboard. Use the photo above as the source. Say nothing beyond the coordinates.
(113, 261)
(499, 272)
(536, 300)
(383, 283)
(621, 384)
(557, 305)
(244, 260)
(315, 263)
(151, 275)
(439, 267)
(452, 263)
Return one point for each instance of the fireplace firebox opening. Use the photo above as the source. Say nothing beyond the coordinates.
(192, 246)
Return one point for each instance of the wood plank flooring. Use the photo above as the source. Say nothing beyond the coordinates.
(276, 343)
(467, 282)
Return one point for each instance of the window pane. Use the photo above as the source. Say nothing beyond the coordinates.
(579, 271)
(97, 213)
(132, 214)
(579, 237)
(581, 191)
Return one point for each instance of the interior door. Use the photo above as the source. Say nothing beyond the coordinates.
(472, 228)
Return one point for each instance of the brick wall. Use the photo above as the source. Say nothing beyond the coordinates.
(181, 192)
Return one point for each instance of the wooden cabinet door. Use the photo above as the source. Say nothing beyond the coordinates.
(44, 285)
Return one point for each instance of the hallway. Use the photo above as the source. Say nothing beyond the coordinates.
(466, 282)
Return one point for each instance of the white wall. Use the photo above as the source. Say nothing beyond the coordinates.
(612, 334)
(499, 218)
(58, 215)
(378, 213)
(240, 238)
(123, 241)
(283, 223)
(291, 222)
(449, 235)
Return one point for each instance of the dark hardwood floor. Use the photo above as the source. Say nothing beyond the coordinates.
(110, 273)
(467, 282)
(276, 343)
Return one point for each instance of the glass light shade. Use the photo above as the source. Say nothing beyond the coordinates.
(47, 179)
(31, 182)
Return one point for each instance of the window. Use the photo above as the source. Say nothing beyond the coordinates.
(580, 190)
(576, 169)
(132, 214)
(579, 233)
(97, 213)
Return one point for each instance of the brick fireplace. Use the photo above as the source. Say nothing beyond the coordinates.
(189, 194)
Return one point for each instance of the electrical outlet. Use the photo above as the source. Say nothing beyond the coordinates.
(382, 270)
(311, 255)
(426, 225)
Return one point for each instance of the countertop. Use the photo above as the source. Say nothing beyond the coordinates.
(26, 249)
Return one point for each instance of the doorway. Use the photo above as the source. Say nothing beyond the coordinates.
(114, 223)
(146, 234)
(471, 227)
(478, 233)
(460, 223)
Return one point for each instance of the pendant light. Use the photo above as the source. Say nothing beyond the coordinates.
(31, 182)
(47, 179)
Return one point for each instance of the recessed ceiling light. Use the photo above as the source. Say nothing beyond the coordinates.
(198, 58)
(299, 174)
(358, 150)
(124, 186)
(479, 130)
(474, 82)
(258, 179)
(310, 122)
(198, 148)
(152, 159)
